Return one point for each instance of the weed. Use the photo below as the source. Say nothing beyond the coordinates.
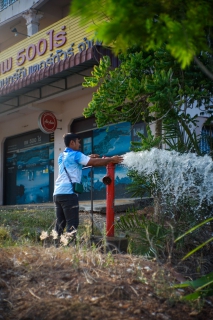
(26, 225)
(5, 237)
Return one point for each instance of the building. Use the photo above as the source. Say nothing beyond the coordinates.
(44, 57)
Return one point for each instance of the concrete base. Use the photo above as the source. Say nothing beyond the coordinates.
(120, 205)
(99, 206)
(113, 244)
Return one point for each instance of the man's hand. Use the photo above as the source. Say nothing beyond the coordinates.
(94, 155)
(116, 159)
(97, 162)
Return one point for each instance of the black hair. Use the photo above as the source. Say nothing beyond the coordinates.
(68, 137)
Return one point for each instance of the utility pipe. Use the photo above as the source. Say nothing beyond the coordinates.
(109, 181)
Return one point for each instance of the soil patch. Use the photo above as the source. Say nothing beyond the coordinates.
(75, 283)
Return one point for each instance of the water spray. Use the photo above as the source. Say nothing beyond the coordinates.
(176, 176)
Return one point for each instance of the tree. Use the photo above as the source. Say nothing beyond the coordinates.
(182, 29)
(159, 81)
(185, 27)
(148, 86)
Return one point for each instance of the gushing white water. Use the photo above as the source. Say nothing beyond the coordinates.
(178, 175)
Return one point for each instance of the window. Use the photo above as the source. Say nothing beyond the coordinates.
(6, 3)
(206, 141)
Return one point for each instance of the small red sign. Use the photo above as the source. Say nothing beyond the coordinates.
(47, 122)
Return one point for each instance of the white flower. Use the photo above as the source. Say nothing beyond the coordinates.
(54, 234)
(64, 240)
(147, 268)
(70, 234)
(94, 298)
(44, 235)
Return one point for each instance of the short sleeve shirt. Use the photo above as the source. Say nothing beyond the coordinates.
(73, 162)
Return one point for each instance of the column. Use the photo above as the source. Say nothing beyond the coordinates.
(32, 18)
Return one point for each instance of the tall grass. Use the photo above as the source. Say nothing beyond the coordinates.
(24, 225)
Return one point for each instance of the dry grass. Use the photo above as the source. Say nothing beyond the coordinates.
(79, 283)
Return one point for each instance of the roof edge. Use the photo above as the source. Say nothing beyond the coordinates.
(94, 53)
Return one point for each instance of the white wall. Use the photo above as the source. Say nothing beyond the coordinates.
(71, 110)
(66, 111)
(13, 127)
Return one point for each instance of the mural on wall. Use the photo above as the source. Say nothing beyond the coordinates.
(29, 170)
(206, 139)
(32, 176)
(87, 145)
(112, 140)
(51, 158)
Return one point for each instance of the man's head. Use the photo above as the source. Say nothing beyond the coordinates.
(72, 141)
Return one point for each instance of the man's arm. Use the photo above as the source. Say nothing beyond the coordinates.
(98, 162)
(94, 155)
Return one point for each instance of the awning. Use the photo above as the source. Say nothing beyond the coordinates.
(60, 70)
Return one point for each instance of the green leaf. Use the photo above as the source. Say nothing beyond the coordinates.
(203, 287)
(182, 25)
(197, 248)
(194, 228)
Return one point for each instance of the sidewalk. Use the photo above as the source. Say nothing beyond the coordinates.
(99, 206)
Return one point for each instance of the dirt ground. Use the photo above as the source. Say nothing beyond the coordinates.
(38, 283)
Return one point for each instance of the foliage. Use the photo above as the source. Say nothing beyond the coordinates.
(184, 26)
(147, 141)
(179, 137)
(203, 286)
(192, 230)
(148, 86)
(120, 96)
(142, 185)
(146, 237)
(34, 226)
(26, 225)
(4, 235)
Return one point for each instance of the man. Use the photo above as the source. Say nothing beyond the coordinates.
(70, 168)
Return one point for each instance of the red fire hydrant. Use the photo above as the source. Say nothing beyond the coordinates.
(109, 181)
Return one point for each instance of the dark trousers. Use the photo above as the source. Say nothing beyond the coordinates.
(67, 212)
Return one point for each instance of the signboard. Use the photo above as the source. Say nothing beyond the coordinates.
(57, 42)
(26, 141)
(47, 122)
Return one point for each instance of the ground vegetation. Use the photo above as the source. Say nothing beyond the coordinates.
(83, 281)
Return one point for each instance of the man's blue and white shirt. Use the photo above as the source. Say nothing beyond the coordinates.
(73, 162)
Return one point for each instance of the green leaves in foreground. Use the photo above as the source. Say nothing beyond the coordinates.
(146, 236)
(203, 286)
(185, 26)
(190, 231)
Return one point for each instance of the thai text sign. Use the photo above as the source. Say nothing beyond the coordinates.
(57, 42)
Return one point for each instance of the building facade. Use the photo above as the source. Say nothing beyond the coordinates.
(44, 57)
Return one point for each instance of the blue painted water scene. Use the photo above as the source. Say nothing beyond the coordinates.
(32, 174)
(107, 141)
